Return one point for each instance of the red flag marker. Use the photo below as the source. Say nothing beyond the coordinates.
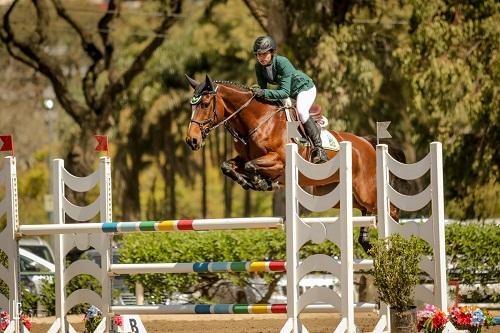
(102, 143)
(7, 144)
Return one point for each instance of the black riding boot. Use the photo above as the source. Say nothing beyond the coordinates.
(312, 131)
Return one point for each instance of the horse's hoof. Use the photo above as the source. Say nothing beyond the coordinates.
(262, 185)
(366, 246)
(246, 185)
(364, 239)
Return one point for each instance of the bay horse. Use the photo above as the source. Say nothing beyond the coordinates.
(259, 129)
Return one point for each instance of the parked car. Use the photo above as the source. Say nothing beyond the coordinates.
(39, 247)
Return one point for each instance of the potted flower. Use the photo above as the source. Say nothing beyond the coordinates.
(470, 318)
(5, 322)
(396, 273)
(431, 319)
(92, 319)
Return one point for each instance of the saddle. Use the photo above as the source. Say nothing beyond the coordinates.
(315, 112)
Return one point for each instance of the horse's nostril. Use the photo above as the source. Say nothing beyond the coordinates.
(192, 142)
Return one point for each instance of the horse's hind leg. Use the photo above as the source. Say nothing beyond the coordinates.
(234, 169)
(365, 199)
(364, 235)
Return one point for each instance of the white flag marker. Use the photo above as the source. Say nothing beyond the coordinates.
(382, 132)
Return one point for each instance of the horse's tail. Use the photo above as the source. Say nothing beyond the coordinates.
(400, 185)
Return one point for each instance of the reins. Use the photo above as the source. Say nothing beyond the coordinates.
(264, 121)
(234, 113)
(238, 137)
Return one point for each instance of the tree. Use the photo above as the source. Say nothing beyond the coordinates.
(109, 63)
(105, 76)
(452, 62)
(298, 25)
(347, 48)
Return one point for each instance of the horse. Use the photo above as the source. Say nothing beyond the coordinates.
(259, 130)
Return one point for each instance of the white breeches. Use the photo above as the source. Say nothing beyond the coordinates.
(305, 100)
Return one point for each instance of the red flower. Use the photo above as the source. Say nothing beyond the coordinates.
(27, 324)
(118, 320)
(464, 318)
(439, 319)
(4, 325)
(26, 321)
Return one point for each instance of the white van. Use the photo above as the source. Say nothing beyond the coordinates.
(37, 246)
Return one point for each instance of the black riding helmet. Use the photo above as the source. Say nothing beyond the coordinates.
(263, 44)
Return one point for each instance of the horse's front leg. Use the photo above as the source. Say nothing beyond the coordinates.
(264, 170)
(235, 169)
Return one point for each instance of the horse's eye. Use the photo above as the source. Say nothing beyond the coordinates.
(205, 105)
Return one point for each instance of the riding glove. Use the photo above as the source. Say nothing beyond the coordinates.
(258, 92)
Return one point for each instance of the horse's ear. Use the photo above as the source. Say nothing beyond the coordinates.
(209, 83)
(192, 82)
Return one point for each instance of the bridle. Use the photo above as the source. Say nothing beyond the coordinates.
(206, 125)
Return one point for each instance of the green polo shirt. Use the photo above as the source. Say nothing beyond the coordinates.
(289, 80)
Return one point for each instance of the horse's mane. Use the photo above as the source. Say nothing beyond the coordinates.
(245, 88)
(233, 84)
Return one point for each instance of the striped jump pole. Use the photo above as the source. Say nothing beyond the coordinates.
(200, 267)
(153, 226)
(215, 267)
(163, 309)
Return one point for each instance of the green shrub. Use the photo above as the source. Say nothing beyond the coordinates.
(247, 245)
(48, 297)
(29, 300)
(474, 252)
(396, 269)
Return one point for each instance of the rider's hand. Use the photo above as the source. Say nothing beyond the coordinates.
(258, 92)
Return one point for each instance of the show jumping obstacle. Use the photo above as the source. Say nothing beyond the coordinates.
(299, 231)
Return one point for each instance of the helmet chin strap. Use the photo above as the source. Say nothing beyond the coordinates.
(272, 58)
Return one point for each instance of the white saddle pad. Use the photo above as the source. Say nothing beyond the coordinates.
(329, 141)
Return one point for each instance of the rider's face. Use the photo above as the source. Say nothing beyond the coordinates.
(265, 58)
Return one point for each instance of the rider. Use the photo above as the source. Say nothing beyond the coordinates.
(278, 70)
